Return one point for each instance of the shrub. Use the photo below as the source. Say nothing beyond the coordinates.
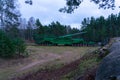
(20, 46)
(7, 48)
(11, 47)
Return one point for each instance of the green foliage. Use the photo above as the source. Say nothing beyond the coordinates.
(38, 38)
(9, 14)
(101, 29)
(11, 47)
(7, 48)
(19, 46)
(55, 29)
(71, 5)
(40, 28)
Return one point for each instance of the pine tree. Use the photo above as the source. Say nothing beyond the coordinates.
(9, 15)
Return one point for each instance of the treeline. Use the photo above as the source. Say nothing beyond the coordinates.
(55, 29)
(101, 29)
(97, 29)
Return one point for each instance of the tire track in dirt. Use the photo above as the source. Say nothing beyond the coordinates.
(51, 57)
(55, 74)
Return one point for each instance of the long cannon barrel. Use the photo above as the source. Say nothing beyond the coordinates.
(69, 35)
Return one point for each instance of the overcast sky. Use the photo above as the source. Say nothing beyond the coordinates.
(47, 11)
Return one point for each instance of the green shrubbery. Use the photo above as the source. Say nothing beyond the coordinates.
(11, 47)
(7, 48)
(20, 47)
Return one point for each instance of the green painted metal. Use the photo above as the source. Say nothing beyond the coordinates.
(69, 35)
(62, 40)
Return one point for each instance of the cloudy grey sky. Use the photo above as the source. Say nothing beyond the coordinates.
(47, 11)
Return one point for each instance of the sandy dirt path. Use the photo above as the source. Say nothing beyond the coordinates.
(49, 57)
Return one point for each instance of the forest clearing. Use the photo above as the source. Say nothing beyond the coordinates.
(59, 40)
(40, 58)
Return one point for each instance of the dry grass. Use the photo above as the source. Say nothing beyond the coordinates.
(41, 57)
(88, 63)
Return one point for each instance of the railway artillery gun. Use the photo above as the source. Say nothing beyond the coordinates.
(66, 40)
